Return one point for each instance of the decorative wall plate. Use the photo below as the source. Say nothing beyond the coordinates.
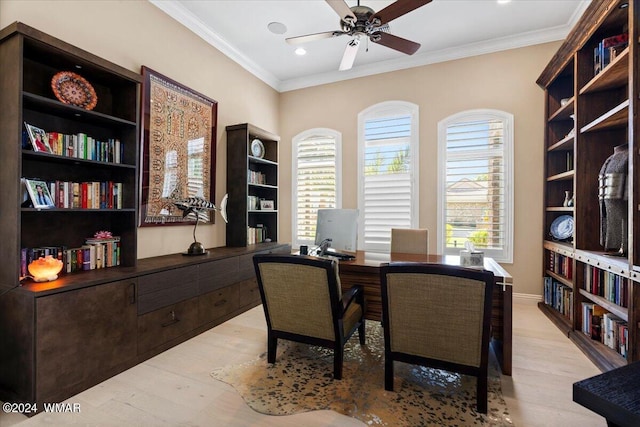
(257, 148)
(562, 227)
(71, 88)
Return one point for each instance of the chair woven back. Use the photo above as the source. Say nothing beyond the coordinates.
(438, 312)
(410, 240)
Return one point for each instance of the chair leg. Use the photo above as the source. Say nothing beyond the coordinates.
(481, 391)
(272, 346)
(388, 373)
(361, 332)
(338, 355)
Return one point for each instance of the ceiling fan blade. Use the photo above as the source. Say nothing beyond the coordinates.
(349, 55)
(342, 9)
(395, 42)
(312, 37)
(395, 10)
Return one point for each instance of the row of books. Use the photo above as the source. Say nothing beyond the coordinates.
(559, 296)
(605, 327)
(257, 234)
(561, 264)
(607, 50)
(80, 145)
(256, 177)
(95, 254)
(606, 284)
(87, 195)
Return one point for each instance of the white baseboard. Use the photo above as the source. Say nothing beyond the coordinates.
(526, 299)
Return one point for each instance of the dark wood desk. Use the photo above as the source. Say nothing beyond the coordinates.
(365, 270)
(615, 395)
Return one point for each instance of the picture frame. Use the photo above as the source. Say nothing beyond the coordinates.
(39, 194)
(38, 138)
(178, 150)
(267, 205)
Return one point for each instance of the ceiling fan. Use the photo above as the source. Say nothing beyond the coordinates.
(362, 21)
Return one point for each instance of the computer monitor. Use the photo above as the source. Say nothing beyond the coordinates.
(339, 225)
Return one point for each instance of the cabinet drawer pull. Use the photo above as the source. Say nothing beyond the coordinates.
(173, 320)
(219, 303)
(132, 293)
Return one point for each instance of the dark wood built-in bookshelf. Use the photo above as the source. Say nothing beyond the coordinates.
(29, 60)
(254, 177)
(590, 108)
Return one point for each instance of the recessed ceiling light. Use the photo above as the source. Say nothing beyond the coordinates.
(504, 1)
(301, 51)
(277, 27)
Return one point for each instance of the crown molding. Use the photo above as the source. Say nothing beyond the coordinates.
(178, 12)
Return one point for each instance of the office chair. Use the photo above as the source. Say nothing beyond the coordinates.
(438, 316)
(303, 301)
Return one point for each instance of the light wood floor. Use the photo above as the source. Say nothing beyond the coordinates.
(174, 388)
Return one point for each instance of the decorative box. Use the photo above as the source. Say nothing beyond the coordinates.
(471, 258)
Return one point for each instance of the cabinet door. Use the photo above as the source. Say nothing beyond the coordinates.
(83, 337)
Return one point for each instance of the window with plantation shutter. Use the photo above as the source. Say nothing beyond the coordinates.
(316, 180)
(387, 165)
(475, 203)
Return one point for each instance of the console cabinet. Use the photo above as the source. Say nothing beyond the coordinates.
(62, 337)
(592, 292)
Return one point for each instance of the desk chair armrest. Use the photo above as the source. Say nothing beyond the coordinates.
(355, 293)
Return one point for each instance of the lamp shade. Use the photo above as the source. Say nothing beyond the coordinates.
(45, 269)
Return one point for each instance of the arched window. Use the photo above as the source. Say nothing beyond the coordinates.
(475, 188)
(387, 172)
(316, 175)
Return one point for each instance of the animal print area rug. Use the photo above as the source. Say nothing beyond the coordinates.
(301, 380)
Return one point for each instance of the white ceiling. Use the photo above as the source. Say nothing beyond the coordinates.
(446, 29)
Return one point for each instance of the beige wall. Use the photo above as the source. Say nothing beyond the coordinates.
(503, 81)
(138, 34)
(135, 33)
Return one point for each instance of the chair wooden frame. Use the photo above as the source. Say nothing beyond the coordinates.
(480, 371)
(339, 306)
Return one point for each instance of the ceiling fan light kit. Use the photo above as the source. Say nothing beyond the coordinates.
(362, 21)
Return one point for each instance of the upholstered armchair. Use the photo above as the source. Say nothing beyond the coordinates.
(410, 240)
(437, 316)
(303, 302)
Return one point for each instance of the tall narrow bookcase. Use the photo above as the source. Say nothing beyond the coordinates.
(252, 185)
(591, 87)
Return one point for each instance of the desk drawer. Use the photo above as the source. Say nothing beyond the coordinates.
(249, 293)
(217, 304)
(217, 274)
(169, 287)
(163, 325)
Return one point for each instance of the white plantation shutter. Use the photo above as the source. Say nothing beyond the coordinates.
(316, 177)
(476, 199)
(388, 159)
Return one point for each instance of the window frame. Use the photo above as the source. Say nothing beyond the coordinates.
(380, 110)
(295, 141)
(506, 254)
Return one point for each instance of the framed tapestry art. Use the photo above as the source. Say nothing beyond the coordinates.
(178, 150)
